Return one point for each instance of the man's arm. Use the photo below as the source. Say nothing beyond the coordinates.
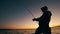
(35, 19)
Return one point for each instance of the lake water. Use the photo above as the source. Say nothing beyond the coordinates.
(54, 31)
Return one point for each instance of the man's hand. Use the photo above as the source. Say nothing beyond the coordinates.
(34, 19)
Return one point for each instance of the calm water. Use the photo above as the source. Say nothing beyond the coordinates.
(17, 31)
(54, 31)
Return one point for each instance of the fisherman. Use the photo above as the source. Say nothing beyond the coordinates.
(43, 21)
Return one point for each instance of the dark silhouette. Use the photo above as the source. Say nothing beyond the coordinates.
(44, 22)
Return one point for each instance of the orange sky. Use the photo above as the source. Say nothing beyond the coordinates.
(14, 16)
(28, 23)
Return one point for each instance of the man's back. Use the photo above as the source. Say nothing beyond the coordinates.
(45, 19)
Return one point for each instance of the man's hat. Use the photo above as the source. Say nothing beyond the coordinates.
(44, 7)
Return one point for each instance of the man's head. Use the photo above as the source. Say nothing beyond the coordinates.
(44, 8)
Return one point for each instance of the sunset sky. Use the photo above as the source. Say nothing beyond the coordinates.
(13, 14)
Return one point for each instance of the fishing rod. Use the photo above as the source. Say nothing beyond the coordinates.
(30, 12)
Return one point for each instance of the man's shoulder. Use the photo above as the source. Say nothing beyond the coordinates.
(49, 12)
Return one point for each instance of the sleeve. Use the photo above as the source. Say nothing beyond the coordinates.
(36, 19)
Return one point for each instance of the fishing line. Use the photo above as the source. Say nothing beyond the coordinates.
(29, 12)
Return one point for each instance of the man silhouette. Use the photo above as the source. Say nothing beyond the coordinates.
(44, 22)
